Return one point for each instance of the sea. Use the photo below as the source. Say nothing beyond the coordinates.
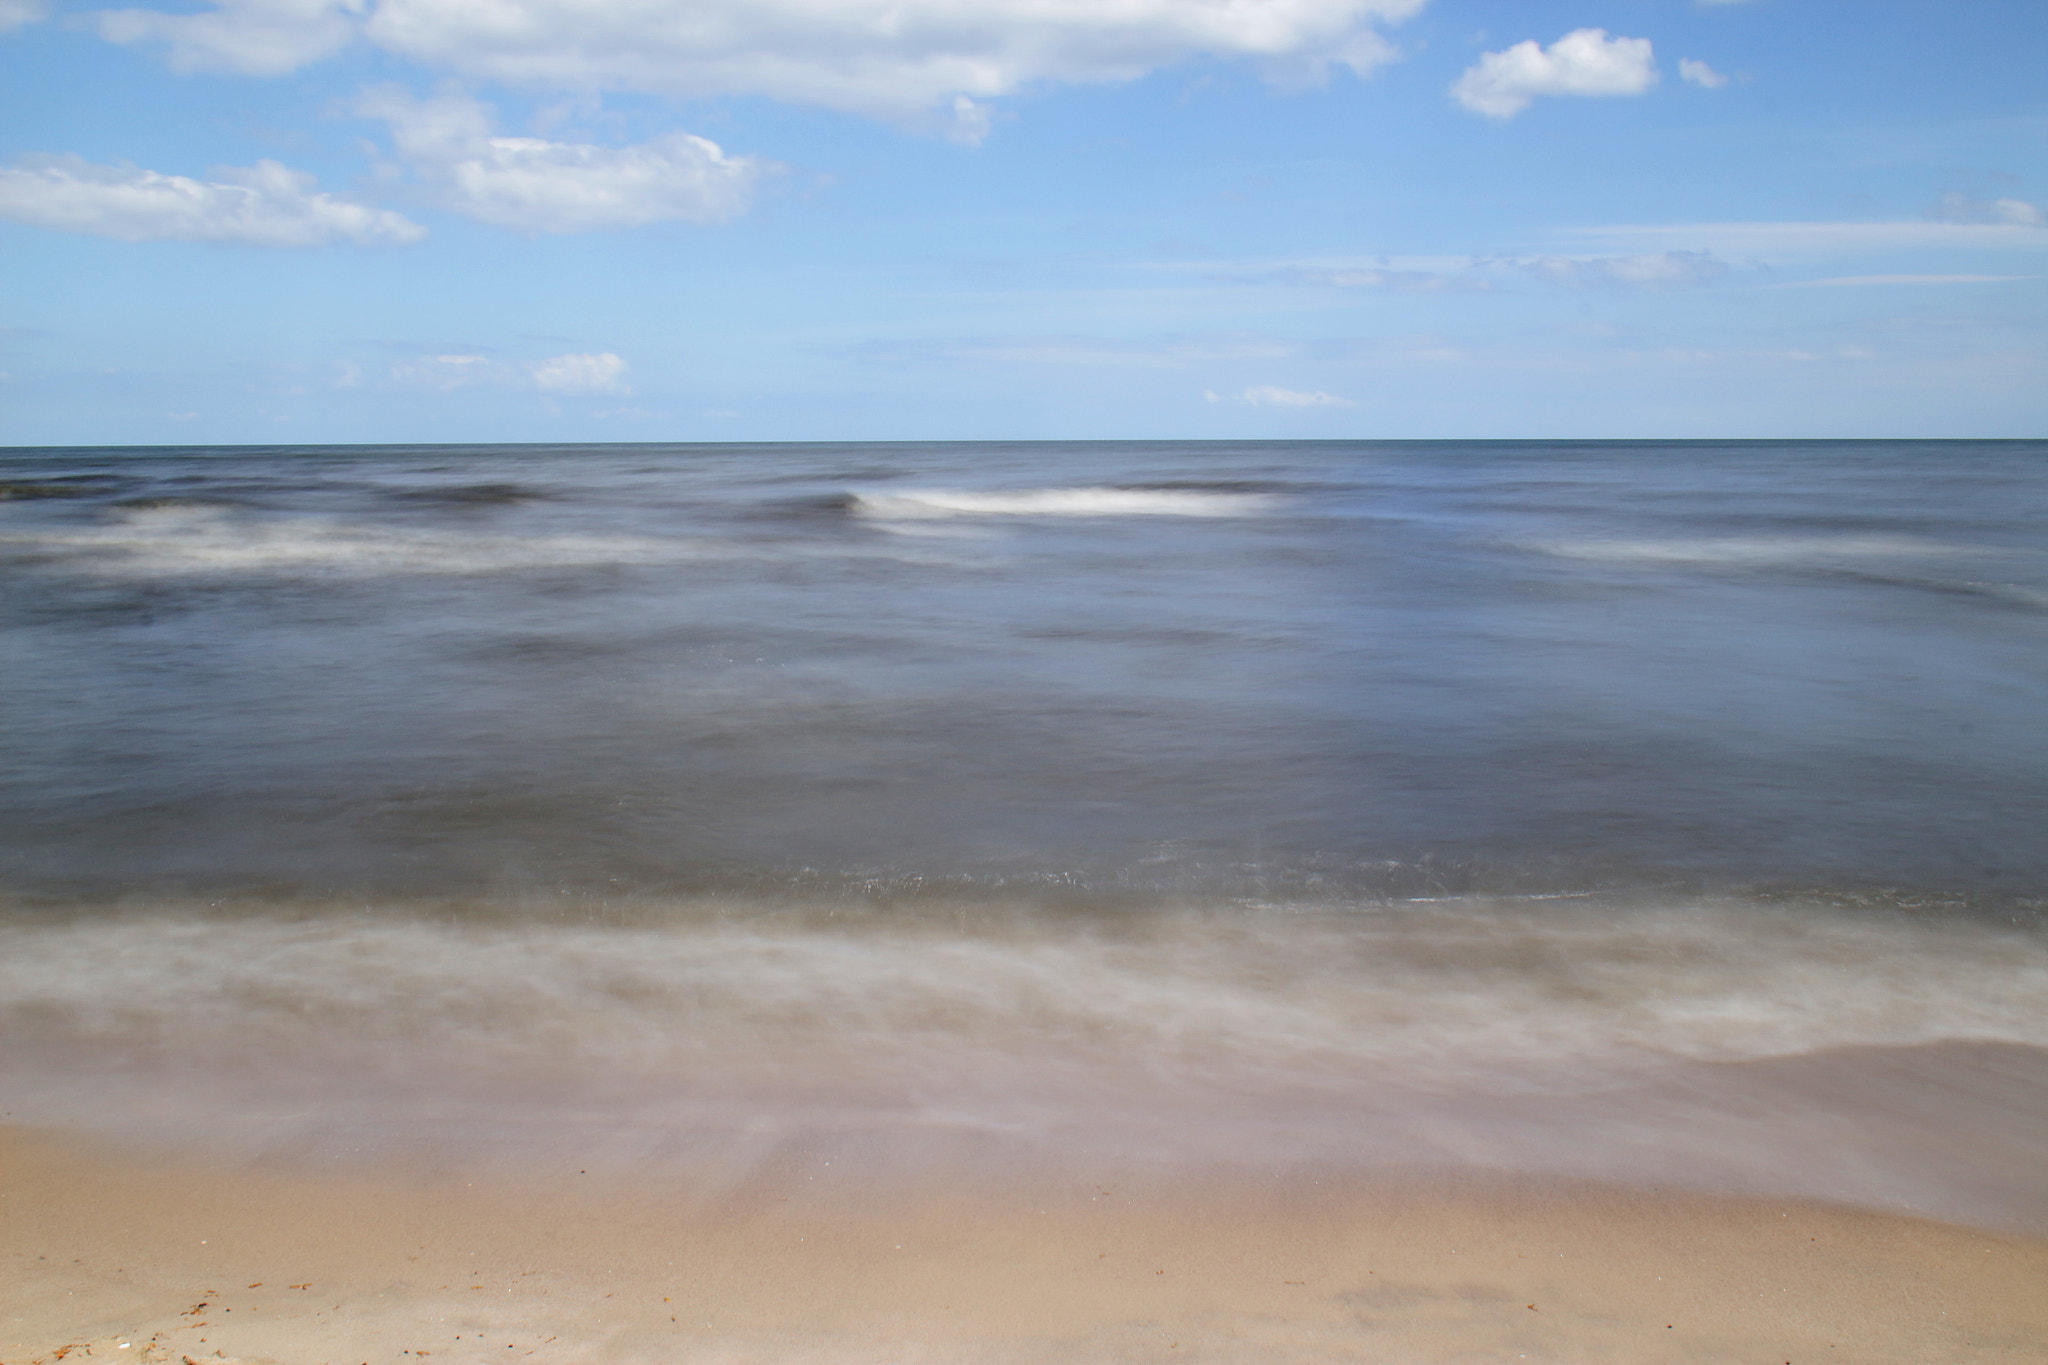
(1663, 811)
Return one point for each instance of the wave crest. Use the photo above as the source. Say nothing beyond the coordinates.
(930, 504)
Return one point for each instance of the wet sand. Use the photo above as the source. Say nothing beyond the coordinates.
(182, 1256)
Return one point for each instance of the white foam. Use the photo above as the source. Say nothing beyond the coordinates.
(199, 541)
(1565, 1037)
(185, 541)
(939, 503)
(1431, 995)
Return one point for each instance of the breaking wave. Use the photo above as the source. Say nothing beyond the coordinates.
(182, 539)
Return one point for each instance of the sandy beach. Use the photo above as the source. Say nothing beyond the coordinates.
(110, 1252)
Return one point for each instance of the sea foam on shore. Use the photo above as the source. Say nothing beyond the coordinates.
(1796, 1049)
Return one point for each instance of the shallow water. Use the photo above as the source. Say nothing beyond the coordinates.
(1331, 801)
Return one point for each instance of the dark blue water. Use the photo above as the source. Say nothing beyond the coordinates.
(1014, 785)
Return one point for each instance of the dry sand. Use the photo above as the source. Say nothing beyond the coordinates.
(123, 1254)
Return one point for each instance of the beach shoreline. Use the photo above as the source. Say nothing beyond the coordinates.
(179, 1254)
(1034, 901)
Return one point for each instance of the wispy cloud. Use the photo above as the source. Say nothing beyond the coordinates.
(1273, 396)
(600, 372)
(1961, 208)
(1700, 74)
(267, 204)
(1856, 281)
(1787, 240)
(1388, 280)
(17, 13)
(1478, 274)
(1649, 270)
(603, 372)
(249, 37)
(534, 185)
(444, 373)
(1584, 62)
(1169, 352)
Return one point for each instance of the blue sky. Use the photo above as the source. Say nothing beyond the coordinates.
(505, 220)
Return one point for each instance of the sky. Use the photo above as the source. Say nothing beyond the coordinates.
(339, 221)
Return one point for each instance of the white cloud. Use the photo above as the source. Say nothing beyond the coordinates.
(1273, 396)
(898, 59)
(253, 37)
(539, 186)
(262, 205)
(17, 13)
(1961, 208)
(600, 373)
(1654, 270)
(1583, 62)
(1700, 74)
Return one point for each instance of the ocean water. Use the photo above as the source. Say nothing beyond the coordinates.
(1355, 802)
